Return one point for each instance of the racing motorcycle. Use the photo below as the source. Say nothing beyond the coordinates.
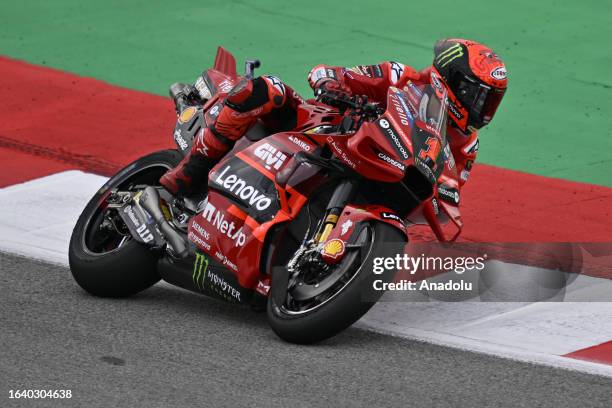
(290, 222)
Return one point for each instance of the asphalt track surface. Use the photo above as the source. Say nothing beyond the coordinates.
(168, 347)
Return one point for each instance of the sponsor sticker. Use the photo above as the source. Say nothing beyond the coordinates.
(225, 86)
(435, 81)
(225, 261)
(270, 156)
(214, 111)
(141, 229)
(224, 288)
(397, 71)
(434, 204)
(187, 114)
(448, 157)
(453, 109)
(302, 144)
(318, 74)
(263, 288)
(391, 216)
(447, 194)
(472, 147)
(180, 140)
(376, 71)
(392, 162)
(341, 153)
(198, 241)
(401, 108)
(454, 51)
(202, 88)
(277, 83)
(242, 190)
(202, 147)
(200, 268)
(203, 277)
(334, 248)
(346, 225)
(393, 136)
(425, 169)
(228, 228)
(499, 73)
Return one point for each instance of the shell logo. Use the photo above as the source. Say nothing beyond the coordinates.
(334, 248)
(187, 114)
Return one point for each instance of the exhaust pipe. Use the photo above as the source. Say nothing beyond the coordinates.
(149, 200)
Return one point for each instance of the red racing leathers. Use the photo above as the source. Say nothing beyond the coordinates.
(374, 81)
(265, 98)
(274, 103)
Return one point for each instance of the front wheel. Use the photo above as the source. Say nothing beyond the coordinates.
(348, 289)
(104, 259)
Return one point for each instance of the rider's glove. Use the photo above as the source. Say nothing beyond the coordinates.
(331, 93)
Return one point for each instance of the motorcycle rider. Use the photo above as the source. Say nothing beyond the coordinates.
(473, 75)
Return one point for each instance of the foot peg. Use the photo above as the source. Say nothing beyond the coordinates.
(149, 200)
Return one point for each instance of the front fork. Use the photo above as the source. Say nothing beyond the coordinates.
(344, 193)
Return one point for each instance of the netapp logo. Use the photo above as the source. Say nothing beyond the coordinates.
(391, 133)
(217, 219)
(240, 189)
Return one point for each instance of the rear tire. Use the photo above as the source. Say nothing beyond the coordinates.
(130, 267)
(345, 308)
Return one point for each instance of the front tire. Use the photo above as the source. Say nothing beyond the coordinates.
(116, 266)
(346, 306)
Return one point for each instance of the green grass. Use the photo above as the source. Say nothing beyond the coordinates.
(555, 120)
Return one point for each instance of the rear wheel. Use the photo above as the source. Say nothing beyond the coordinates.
(320, 306)
(104, 259)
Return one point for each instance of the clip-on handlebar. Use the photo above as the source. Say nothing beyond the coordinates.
(357, 105)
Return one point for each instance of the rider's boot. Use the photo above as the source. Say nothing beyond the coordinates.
(189, 176)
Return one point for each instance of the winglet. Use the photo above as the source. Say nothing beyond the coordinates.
(225, 63)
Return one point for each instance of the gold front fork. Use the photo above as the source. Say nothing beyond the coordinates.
(330, 223)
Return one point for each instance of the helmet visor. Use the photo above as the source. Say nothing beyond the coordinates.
(480, 100)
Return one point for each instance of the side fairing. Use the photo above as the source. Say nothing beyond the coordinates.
(244, 202)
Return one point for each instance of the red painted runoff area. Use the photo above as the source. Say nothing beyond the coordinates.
(52, 121)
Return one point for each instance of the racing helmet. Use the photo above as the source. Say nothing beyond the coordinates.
(474, 78)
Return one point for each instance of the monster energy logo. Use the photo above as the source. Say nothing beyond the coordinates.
(450, 54)
(200, 267)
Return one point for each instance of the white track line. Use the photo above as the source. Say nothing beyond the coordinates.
(37, 218)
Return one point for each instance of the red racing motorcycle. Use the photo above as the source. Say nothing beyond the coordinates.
(290, 222)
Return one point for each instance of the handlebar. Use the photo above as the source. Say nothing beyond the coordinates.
(358, 104)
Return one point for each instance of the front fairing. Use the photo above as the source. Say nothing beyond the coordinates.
(411, 132)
